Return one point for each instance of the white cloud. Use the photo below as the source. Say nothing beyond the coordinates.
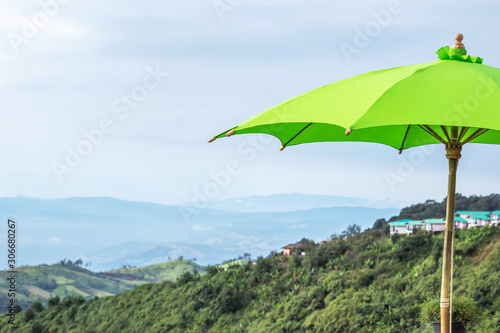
(297, 226)
(199, 227)
(54, 240)
(144, 231)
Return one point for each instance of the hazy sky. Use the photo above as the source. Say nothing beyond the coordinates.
(118, 98)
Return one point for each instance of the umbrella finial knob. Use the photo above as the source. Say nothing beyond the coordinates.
(458, 42)
(348, 131)
(231, 132)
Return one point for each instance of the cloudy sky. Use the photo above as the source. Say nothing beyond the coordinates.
(118, 98)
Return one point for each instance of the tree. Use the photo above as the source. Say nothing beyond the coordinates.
(29, 315)
(181, 258)
(379, 224)
(37, 306)
(54, 301)
(308, 245)
(68, 301)
(247, 255)
(37, 328)
(334, 236)
(78, 262)
(394, 218)
(184, 278)
(212, 270)
(228, 300)
(352, 230)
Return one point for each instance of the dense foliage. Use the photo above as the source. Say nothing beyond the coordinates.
(67, 278)
(433, 209)
(357, 282)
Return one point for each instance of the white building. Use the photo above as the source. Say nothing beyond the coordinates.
(405, 227)
(475, 218)
(434, 225)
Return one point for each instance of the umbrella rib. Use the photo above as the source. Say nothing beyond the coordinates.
(432, 133)
(296, 135)
(463, 131)
(474, 135)
(445, 131)
(404, 139)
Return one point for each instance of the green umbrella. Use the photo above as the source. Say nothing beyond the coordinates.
(453, 101)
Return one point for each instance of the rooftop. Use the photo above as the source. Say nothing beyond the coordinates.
(469, 212)
(293, 246)
(435, 221)
(481, 216)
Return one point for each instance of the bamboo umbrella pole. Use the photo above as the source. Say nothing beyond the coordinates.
(453, 149)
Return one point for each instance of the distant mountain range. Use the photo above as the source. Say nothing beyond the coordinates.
(110, 233)
(292, 202)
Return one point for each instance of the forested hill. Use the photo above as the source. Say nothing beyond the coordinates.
(358, 282)
(39, 283)
(433, 209)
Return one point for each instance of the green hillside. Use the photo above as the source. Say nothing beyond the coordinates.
(168, 271)
(358, 282)
(234, 262)
(44, 281)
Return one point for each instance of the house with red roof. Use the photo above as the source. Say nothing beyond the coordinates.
(291, 249)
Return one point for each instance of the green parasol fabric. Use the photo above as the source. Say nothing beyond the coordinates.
(453, 101)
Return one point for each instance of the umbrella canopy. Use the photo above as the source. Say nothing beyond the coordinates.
(391, 106)
(454, 101)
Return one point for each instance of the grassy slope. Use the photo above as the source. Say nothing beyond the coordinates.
(235, 262)
(42, 282)
(365, 283)
(168, 271)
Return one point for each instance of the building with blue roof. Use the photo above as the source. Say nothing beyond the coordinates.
(405, 227)
(495, 217)
(462, 220)
(476, 218)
